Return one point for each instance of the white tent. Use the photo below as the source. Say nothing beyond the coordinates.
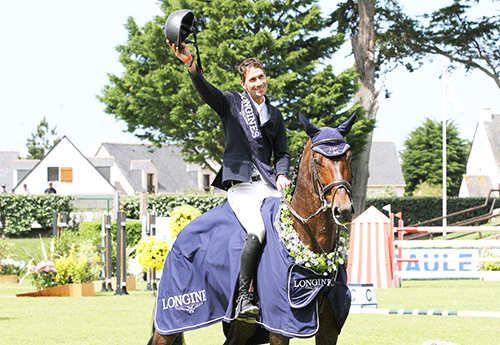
(371, 250)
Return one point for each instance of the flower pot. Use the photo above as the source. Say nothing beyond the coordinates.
(68, 290)
(8, 279)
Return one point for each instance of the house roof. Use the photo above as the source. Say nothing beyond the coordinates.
(478, 185)
(493, 132)
(7, 159)
(32, 165)
(173, 175)
(384, 166)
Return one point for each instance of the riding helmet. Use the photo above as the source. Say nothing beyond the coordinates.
(179, 25)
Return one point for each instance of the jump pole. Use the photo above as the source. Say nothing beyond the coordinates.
(121, 254)
(151, 231)
(106, 252)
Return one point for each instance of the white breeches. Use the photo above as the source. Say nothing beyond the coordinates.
(246, 200)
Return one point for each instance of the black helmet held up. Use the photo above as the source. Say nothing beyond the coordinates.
(179, 25)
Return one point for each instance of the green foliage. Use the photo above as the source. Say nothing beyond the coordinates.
(163, 204)
(78, 265)
(459, 31)
(92, 230)
(419, 209)
(42, 140)
(424, 189)
(157, 100)
(21, 211)
(423, 152)
(492, 265)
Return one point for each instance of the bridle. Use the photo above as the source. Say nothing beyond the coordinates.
(321, 190)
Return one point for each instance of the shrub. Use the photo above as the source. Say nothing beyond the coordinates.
(163, 204)
(20, 211)
(180, 217)
(152, 252)
(492, 265)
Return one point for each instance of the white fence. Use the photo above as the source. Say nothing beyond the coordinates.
(450, 258)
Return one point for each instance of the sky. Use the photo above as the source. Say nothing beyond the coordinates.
(56, 55)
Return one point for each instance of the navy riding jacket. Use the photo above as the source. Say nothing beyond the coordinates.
(238, 162)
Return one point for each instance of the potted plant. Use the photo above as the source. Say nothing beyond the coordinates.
(69, 274)
(10, 270)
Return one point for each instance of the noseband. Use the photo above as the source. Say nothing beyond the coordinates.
(321, 191)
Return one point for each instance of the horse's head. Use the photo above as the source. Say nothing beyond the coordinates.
(330, 158)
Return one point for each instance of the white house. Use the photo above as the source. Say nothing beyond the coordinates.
(147, 168)
(483, 165)
(69, 171)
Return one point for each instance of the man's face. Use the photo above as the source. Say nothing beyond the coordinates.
(255, 84)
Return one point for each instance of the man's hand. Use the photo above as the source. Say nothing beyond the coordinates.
(282, 182)
(184, 54)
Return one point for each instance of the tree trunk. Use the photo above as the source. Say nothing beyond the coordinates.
(363, 48)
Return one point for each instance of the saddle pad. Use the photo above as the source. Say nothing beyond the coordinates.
(200, 276)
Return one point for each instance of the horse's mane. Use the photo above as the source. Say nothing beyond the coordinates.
(294, 172)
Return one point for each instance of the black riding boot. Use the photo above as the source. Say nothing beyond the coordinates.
(246, 305)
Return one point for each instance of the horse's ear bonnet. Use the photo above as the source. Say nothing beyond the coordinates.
(331, 148)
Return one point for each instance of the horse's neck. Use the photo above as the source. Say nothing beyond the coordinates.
(305, 202)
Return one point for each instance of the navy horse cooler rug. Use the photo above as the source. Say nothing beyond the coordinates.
(199, 281)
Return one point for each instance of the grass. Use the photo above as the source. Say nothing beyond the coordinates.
(32, 246)
(110, 319)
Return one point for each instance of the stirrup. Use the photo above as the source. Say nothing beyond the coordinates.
(246, 308)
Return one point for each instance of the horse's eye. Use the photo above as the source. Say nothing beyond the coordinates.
(318, 162)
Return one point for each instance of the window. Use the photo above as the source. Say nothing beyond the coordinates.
(52, 174)
(63, 174)
(150, 184)
(67, 175)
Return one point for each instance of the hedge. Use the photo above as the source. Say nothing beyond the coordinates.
(18, 212)
(418, 209)
(163, 204)
(414, 209)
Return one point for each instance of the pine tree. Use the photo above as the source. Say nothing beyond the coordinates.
(423, 157)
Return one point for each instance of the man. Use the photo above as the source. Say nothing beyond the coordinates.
(4, 190)
(51, 189)
(26, 191)
(254, 131)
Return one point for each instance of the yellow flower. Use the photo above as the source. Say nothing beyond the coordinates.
(152, 252)
(180, 217)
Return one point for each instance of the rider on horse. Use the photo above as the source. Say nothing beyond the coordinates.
(254, 132)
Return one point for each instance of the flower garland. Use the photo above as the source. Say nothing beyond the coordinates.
(301, 253)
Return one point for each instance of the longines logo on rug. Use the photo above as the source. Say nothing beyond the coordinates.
(312, 283)
(187, 302)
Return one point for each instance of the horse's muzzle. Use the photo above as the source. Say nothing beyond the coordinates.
(342, 214)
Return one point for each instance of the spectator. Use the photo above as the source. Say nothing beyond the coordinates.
(4, 190)
(26, 190)
(51, 189)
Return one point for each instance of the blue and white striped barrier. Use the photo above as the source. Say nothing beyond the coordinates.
(387, 311)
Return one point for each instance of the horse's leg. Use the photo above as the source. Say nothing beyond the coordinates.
(240, 332)
(327, 333)
(172, 339)
(278, 339)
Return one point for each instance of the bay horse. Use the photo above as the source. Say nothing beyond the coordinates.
(320, 203)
